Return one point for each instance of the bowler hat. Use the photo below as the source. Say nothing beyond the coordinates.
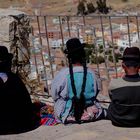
(131, 56)
(4, 54)
(73, 45)
(132, 53)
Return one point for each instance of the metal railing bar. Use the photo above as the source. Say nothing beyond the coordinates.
(128, 30)
(137, 23)
(84, 21)
(114, 59)
(48, 45)
(35, 59)
(96, 53)
(68, 25)
(106, 64)
(95, 15)
(44, 69)
(61, 31)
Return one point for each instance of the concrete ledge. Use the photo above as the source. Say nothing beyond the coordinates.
(100, 130)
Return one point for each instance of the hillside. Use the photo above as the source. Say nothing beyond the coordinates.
(64, 6)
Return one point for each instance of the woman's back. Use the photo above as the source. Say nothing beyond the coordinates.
(16, 107)
(78, 88)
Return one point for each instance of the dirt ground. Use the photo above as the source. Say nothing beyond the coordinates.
(100, 130)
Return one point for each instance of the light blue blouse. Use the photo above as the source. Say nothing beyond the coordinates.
(62, 93)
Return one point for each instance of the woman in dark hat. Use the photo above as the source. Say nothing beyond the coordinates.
(74, 89)
(16, 109)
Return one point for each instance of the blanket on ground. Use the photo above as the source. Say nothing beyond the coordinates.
(47, 115)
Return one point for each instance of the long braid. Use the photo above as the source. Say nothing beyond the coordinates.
(78, 104)
(84, 77)
(72, 76)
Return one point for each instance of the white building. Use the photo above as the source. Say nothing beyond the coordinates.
(126, 42)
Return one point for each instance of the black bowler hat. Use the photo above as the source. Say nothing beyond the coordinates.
(73, 45)
(131, 56)
(132, 53)
(4, 54)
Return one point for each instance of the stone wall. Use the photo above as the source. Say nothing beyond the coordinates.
(14, 34)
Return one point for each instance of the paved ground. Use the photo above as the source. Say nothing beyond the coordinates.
(101, 130)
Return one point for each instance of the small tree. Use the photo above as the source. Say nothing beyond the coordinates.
(90, 7)
(102, 7)
(117, 56)
(89, 48)
(100, 59)
(81, 8)
(110, 58)
(101, 49)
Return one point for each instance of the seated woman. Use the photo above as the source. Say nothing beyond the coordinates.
(17, 113)
(75, 88)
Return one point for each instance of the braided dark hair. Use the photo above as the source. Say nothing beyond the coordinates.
(78, 103)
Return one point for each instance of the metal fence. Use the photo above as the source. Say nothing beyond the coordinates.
(50, 32)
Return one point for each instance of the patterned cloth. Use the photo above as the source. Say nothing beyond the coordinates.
(91, 113)
(47, 116)
(48, 120)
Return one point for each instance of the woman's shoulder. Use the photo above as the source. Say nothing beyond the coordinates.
(63, 71)
(91, 70)
(61, 74)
